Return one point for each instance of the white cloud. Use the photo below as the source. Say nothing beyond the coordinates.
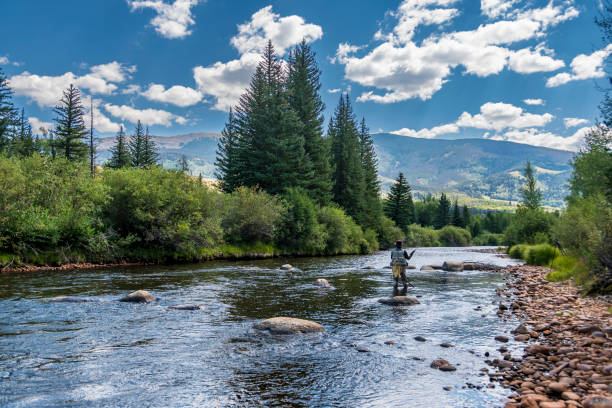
(528, 61)
(103, 123)
(37, 124)
(4, 61)
(334, 91)
(146, 116)
(540, 102)
(536, 137)
(405, 69)
(227, 81)
(344, 49)
(428, 133)
(284, 32)
(131, 89)
(172, 20)
(496, 8)
(177, 95)
(583, 67)
(573, 122)
(47, 90)
(498, 116)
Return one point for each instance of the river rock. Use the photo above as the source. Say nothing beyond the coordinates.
(286, 267)
(436, 266)
(70, 299)
(503, 339)
(399, 301)
(139, 296)
(426, 268)
(446, 345)
(410, 267)
(448, 368)
(438, 363)
(451, 266)
(186, 307)
(420, 338)
(521, 329)
(557, 387)
(597, 402)
(289, 325)
(323, 283)
(369, 267)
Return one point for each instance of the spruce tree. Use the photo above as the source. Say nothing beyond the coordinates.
(22, 144)
(532, 196)
(120, 152)
(150, 156)
(183, 165)
(137, 146)
(70, 130)
(8, 114)
(303, 86)
(271, 144)
(372, 204)
(443, 216)
(226, 163)
(457, 220)
(467, 216)
(348, 178)
(399, 205)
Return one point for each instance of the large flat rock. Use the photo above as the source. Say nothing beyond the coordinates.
(139, 296)
(452, 266)
(289, 325)
(399, 301)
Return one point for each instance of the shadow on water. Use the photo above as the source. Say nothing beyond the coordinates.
(107, 353)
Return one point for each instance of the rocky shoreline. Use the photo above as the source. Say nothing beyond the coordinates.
(567, 359)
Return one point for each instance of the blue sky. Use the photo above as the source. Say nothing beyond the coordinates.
(523, 71)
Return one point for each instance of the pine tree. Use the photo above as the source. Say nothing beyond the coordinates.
(443, 216)
(22, 144)
(70, 130)
(183, 165)
(8, 114)
(369, 163)
(303, 86)
(467, 216)
(120, 152)
(399, 205)
(270, 146)
(348, 179)
(532, 196)
(227, 163)
(92, 148)
(457, 220)
(150, 156)
(137, 146)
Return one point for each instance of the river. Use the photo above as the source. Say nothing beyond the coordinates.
(107, 353)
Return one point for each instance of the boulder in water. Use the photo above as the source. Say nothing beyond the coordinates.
(451, 266)
(410, 267)
(289, 325)
(286, 267)
(399, 301)
(427, 268)
(370, 267)
(186, 307)
(70, 299)
(323, 283)
(139, 296)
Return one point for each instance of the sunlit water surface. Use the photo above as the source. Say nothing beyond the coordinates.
(107, 353)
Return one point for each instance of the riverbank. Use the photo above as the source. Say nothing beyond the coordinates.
(567, 359)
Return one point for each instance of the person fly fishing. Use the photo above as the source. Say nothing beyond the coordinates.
(399, 262)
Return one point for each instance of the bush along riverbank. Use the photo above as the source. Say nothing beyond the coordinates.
(567, 360)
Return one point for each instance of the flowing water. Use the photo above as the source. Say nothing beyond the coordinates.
(107, 353)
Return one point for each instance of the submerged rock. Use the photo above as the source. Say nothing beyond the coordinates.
(288, 325)
(410, 267)
(503, 339)
(323, 283)
(369, 267)
(139, 296)
(427, 268)
(399, 301)
(438, 363)
(420, 338)
(70, 299)
(452, 266)
(286, 267)
(186, 307)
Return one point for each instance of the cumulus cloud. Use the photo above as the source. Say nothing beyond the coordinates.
(428, 133)
(498, 116)
(344, 49)
(334, 91)
(403, 68)
(177, 95)
(496, 8)
(146, 116)
(284, 32)
(226, 81)
(536, 137)
(173, 20)
(540, 102)
(583, 67)
(47, 90)
(37, 124)
(103, 123)
(573, 122)
(4, 60)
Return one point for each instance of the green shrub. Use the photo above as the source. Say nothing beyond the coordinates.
(540, 255)
(488, 239)
(565, 267)
(417, 236)
(529, 227)
(518, 251)
(342, 235)
(388, 232)
(454, 236)
(299, 231)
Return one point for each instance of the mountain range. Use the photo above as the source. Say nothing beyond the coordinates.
(476, 168)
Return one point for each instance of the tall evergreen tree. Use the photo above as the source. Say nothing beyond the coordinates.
(22, 144)
(348, 178)
(271, 145)
(303, 86)
(92, 148)
(371, 198)
(532, 196)
(467, 216)
(70, 130)
(8, 113)
(183, 164)
(457, 220)
(443, 215)
(227, 161)
(137, 146)
(120, 152)
(150, 156)
(399, 205)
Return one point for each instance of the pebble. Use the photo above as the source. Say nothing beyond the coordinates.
(420, 338)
